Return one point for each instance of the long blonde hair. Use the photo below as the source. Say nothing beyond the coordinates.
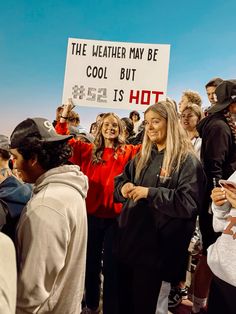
(99, 143)
(178, 146)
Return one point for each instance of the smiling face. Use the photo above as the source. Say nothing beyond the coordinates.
(189, 120)
(156, 129)
(110, 128)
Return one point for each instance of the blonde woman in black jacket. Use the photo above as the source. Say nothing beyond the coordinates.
(161, 190)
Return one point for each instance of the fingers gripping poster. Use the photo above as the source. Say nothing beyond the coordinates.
(115, 74)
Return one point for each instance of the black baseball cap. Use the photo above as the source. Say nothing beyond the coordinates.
(40, 128)
(226, 95)
(214, 82)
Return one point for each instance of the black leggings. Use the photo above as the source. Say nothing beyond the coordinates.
(101, 233)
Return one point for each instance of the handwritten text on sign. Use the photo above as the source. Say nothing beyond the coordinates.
(115, 74)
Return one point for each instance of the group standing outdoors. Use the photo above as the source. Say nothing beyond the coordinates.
(102, 220)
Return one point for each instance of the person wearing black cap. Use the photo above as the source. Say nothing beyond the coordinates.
(211, 88)
(52, 230)
(218, 155)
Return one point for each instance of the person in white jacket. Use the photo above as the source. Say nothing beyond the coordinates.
(52, 230)
(221, 256)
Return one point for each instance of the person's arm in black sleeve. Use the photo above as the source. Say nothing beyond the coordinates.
(126, 176)
(218, 144)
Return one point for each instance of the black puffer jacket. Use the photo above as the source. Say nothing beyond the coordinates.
(156, 231)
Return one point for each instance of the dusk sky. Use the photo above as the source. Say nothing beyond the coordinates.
(34, 35)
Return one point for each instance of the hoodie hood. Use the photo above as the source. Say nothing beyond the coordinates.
(67, 174)
(204, 122)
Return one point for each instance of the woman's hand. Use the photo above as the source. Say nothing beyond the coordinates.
(138, 192)
(126, 189)
(231, 197)
(218, 196)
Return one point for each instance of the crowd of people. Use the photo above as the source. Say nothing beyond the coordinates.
(102, 219)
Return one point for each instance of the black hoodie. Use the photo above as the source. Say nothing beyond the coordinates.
(218, 151)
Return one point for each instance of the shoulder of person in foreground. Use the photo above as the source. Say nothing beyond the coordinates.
(7, 275)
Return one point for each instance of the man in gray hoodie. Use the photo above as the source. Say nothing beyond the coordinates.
(52, 230)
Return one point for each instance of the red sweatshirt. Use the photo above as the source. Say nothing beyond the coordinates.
(99, 201)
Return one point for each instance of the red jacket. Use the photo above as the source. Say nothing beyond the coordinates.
(99, 201)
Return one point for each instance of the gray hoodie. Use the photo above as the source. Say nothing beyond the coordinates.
(51, 244)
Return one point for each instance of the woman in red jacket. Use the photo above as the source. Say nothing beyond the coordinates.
(101, 161)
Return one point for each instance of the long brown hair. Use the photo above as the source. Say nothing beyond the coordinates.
(99, 143)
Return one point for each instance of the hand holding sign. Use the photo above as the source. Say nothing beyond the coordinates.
(66, 110)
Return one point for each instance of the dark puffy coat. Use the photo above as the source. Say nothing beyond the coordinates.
(218, 150)
(156, 231)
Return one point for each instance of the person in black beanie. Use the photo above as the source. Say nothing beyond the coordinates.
(218, 155)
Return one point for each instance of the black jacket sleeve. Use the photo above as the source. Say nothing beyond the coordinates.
(218, 143)
(126, 176)
(183, 196)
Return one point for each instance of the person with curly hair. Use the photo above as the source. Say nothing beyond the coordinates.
(189, 96)
(101, 161)
(52, 230)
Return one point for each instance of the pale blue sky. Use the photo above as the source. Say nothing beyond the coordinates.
(34, 34)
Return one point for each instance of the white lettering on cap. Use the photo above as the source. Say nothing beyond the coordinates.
(49, 126)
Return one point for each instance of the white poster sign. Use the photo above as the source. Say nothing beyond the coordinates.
(115, 74)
